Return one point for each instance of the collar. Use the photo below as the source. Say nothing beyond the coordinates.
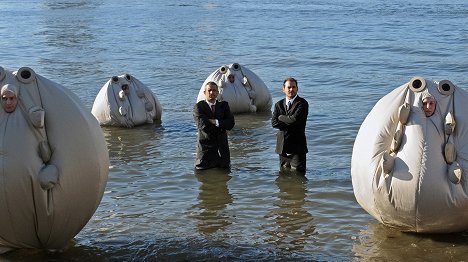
(292, 100)
(210, 104)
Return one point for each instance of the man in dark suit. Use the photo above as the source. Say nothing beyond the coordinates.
(213, 118)
(290, 117)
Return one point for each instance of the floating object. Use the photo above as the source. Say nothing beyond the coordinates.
(409, 171)
(54, 164)
(241, 88)
(136, 105)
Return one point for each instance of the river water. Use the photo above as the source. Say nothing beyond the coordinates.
(345, 54)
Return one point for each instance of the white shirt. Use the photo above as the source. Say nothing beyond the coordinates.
(292, 102)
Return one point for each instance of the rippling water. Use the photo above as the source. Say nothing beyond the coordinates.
(346, 55)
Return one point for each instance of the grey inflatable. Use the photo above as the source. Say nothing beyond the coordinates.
(409, 171)
(246, 92)
(135, 106)
(54, 164)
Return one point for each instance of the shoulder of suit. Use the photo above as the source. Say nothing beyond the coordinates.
(281, 101)
(301, 99)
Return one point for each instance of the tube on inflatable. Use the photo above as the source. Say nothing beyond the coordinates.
(127, 102)
(409, 170)
(241, 88)
(54, 163)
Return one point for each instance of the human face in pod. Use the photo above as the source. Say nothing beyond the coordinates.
(429, 105)
(290, 89)
(9, 102)
(125, 88)
(231, 78)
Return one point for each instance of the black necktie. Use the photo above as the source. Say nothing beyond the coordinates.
(213, 108)
(289, 106)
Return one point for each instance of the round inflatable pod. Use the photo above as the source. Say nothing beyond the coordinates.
(409, 165)
(240, 87)
(125, 101)
(54, 163)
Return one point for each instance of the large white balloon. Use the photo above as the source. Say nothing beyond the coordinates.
(409, 171)
(115, 107)
(54, 164)
(247, 92)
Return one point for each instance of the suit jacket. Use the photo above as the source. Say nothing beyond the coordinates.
(291, 137)
(212, 146)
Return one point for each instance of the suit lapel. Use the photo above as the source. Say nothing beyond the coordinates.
(294, 104)
(285, 107)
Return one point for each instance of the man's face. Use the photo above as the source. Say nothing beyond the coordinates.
(429, 106)
(9, 102)
(290, 89)
(211, 93)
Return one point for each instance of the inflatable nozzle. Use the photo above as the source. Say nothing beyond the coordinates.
(446, 87)
(25, 75)
(417, 84)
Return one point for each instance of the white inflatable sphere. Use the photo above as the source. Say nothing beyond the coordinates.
(54, 164)
(409, 171)
(247, 93)
(137, 106)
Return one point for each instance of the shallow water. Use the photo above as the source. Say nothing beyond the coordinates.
(345, 54)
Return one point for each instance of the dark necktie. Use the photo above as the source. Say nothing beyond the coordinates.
(213, 108)
(289, 105)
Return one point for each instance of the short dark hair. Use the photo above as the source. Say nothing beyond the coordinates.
(211, 83)
(290, 79)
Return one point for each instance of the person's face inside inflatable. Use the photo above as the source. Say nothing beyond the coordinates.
(231, 78)
(9, 101)
(125, 88)
(429, 106)
(211, 92)
(290, 89)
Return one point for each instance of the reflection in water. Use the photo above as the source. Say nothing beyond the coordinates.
(248, 141)
(253, 121)
(139, 144)
(213, 198)
(383, 243)
(294, 224)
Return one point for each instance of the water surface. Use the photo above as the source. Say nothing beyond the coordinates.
(345, 54)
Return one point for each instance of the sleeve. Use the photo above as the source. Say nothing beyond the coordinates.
(302, 111)
(227, 123)
(299, 115)
(275, 122)
(202, 120)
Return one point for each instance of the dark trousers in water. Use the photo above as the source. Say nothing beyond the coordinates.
(294, 161)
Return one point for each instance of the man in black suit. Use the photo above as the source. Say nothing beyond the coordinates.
(290, 117)
(213, 118)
